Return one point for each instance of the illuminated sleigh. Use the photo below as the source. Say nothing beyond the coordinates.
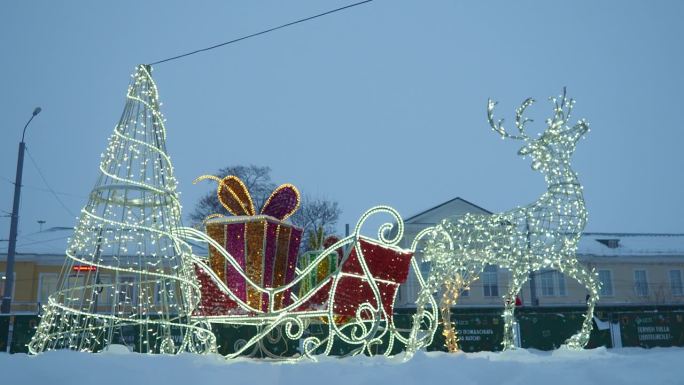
(353, 306)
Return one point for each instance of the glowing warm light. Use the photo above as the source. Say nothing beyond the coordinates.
(127, 279)
(542, 235)
(130, 276)
(354, 303)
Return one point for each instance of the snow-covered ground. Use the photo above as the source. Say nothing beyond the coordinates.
(525, 367)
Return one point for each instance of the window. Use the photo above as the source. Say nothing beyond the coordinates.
(550, 280)
(676, 282)
(640, 283)
(425, 268)
(611, 243)
(48, 285)
(606, 278)
(412, 286)
(126, 291)
(165, 293)
(76, 289)
(560, 277)
(490, 281)
(547, 283)
(106, 290)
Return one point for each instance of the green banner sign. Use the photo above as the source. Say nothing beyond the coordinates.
(548, 331)
(652, 329)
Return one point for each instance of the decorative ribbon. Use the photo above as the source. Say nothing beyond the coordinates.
(234, 196)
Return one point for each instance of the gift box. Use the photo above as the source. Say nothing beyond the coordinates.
(266, 250)
(323, 270)
(389, 268)
(264, 246)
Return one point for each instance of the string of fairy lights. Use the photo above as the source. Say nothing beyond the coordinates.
(130, 276)
(126, 278)
(371, 324)
(542, 235)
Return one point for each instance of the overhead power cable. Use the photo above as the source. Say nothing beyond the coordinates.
(23, 185)
(260, 33)
(47, 185)
(43, 241)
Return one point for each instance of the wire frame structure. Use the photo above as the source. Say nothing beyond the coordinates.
(541, 235)
(352, 306)
(126, 278)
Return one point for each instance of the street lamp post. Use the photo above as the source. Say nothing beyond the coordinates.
(12, 247)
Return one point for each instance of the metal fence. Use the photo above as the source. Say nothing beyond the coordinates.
(480, 329)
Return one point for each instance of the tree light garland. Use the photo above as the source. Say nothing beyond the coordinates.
(542, 235)
(139, 287)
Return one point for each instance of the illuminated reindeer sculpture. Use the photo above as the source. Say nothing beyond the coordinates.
(542, 235)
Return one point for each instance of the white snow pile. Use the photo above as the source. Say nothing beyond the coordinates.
(524, 367)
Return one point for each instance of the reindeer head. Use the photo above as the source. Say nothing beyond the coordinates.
(551, 150)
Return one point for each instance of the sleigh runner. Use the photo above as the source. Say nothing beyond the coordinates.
(353, 305)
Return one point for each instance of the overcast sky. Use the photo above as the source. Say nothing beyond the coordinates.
(379, 104)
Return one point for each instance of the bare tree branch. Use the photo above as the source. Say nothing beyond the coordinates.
(314, 215)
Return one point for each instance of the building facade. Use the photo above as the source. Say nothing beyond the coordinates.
(634, 269)
(39, 262)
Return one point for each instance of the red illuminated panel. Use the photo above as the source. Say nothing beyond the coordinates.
(84, 268)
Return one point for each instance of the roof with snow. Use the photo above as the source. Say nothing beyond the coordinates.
(631, 245)
(590, 245)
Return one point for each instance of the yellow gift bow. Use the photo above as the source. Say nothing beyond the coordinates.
(234, 197)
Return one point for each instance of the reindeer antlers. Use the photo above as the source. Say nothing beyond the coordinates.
(520, 121)
(561, 114)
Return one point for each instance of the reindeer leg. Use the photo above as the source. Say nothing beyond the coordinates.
(509, 309)
(588, 279)
(452, 289)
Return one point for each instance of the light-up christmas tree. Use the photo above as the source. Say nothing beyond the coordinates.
(127, 279)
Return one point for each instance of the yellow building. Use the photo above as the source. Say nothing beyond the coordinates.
(635, 269)
(38, 264)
